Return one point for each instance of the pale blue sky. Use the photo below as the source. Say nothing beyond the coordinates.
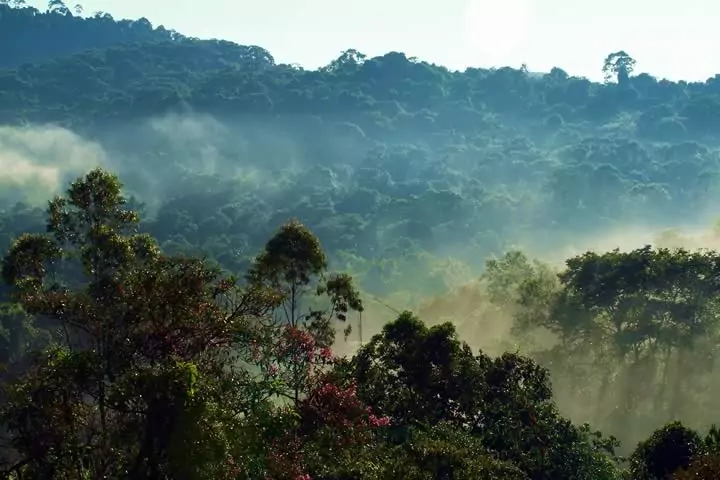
(670, 39)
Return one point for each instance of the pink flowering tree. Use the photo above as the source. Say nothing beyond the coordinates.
(326, 431)
(294, 341)
(291, 350)
(335, 410)
(332, 428)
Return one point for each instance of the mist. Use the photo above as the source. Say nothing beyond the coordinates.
(221, 172)
(299, 165)
(488, 326)
(38, 161)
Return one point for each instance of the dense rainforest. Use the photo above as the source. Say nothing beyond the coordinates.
(218, 266)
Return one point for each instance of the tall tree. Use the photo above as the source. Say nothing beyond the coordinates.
(648, 308)
(293, 268)
(133, 388)
(619, 65)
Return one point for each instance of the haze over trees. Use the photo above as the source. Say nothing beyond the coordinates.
(379, 269)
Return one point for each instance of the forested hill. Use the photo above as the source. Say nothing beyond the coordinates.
(398, 165)
(29, 35)
(377, 155)
(490, 202)
(125, 61)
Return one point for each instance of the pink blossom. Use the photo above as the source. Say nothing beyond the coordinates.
(299, 338)
(325, 353)
(376, 421)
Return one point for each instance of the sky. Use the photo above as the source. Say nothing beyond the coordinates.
(667, 39)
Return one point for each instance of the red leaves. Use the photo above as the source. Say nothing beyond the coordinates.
(224, 285)
(332, 418)
(299, 346)
(376, 421)
(291, 354)
(326, 353)
(330, 406)
(296, 344)
(233, 470)
(285, 458)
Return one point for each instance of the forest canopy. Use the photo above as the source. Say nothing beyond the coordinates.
(378, 269)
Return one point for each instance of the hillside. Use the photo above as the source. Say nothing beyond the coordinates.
(425, 185)
(398, 150)
(29, 35)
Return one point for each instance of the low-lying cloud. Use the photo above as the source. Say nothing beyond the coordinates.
(37, 161)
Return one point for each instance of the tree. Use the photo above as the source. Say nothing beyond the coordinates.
(445, 452)
(504, 275)
(20, 337)
(134, 386)
(58, 6)
(668, 450)
(702, 467)
(420, 376)
(292, 268)
(620, 65)
(290, 265)
(649, 308)
(348, 62)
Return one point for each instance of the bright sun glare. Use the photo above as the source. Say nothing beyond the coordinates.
(497, 29)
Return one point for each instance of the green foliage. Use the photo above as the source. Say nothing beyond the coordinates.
(443, 452)
(292, 256)
(130, 357)
(420, 375)
(620, 64)
(20, 335)
(667, 450)
(160, 356)
(702, 467)
(140, 335)
(64, 31)
(398, 165)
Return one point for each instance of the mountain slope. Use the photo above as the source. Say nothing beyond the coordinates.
(378, 155)
(28, 35)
